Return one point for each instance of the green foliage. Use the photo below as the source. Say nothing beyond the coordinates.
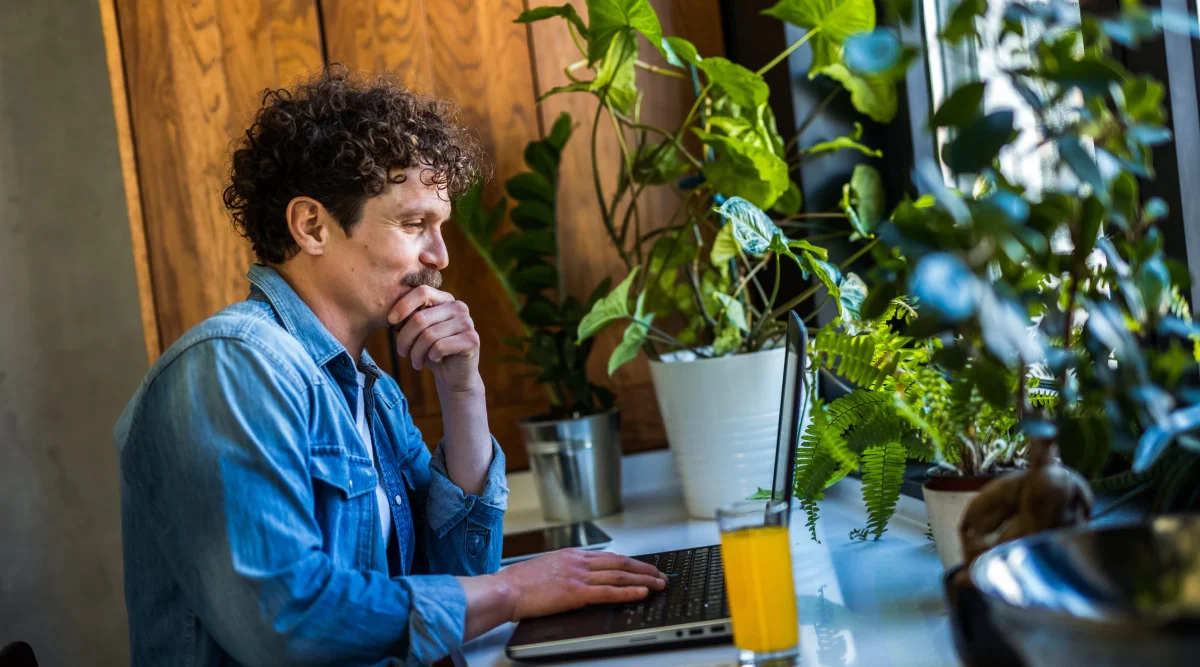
(903, 404)
(710, 268)
(524, 262)
(990, 280)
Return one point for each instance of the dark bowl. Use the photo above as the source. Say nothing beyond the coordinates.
(1113, 595)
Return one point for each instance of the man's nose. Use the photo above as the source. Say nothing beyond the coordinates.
(435, 254)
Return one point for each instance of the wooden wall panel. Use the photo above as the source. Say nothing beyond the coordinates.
(194, 72)
(470, 52)
(582, 239)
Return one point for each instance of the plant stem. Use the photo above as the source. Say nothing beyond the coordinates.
(604, 212)
(658, 130)
(816, 311)
(782, 310)
(659, 70)
(757, 267)
(812, 116)
(665, 337)
(575, 38)
(788, 51)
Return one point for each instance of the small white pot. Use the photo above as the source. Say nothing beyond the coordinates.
(722, 419)
(946, 500)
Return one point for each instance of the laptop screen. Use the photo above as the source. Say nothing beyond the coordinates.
(791, 409)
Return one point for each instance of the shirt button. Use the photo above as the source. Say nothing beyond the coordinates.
(352, 484)
(399, 500)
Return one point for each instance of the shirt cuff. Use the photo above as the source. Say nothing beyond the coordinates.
(437, 619)
(448, 505)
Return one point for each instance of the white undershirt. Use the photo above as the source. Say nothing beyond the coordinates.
(364, 430)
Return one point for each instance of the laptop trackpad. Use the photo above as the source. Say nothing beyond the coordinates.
(586, 622)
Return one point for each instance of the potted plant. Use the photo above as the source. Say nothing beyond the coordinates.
(903, 405)
(580, 435)
(695, 297)
(1066, 285)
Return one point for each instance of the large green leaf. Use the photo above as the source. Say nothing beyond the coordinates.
(961, 107)
(724, 247)
(752, 228)
(631, 342)
(979, 142)
(533, 214)
(883, 474)
(679, 52)
(742, 169)
(616, 76)
(838, 143)
(836, 20)
(791, 200)
(612, 17)
(863, 199)
(566, 11)
(612, 307)
(873, 96)
(529, 185)
(560, 131)
(851, 293)
(523, 246)
(533, 278)
(733, 311)
(744, 87)
(658, 164)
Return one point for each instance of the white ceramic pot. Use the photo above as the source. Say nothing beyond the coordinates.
(722, 418)
(946, 500)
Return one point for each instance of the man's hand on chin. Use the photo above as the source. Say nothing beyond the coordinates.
(437, 331)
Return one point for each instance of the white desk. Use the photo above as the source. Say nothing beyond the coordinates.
(861, 603)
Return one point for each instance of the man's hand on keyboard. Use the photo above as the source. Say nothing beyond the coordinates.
(573, 578)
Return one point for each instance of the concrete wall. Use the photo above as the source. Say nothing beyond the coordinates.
(71, 349)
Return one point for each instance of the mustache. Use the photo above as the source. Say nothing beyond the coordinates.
(426, 276)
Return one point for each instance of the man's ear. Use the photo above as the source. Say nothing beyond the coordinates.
(309, 223)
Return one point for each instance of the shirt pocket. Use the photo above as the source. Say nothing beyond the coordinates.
(352, 475)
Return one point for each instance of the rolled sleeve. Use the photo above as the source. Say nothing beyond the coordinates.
(449, 505)
(437, 618)
(465, 532)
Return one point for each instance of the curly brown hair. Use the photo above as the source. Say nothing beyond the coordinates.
(337, 138)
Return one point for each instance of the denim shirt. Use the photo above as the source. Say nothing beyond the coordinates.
(250, 526)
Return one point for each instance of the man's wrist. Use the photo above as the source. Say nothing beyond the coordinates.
(472, 388)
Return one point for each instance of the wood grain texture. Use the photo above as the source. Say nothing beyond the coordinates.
(471, 53)
(129, 174)
(195, 73)
(583, 243)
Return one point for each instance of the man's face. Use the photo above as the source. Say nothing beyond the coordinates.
(396, 246)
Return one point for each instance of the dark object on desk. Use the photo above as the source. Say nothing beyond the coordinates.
(693, 609)
(976, 639)
(584, 535)
(18, 654)
(1101, 596)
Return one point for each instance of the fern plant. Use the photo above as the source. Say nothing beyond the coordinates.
(903, 404)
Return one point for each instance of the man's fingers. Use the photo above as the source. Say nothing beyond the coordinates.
(422, 320)
(623, 578)
(447, 347)
(611, 594)
(609, 561)
(431, 336)
(418, 297)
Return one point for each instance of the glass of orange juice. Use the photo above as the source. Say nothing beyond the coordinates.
(757, 556)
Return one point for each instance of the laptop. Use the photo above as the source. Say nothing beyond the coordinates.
(693, 609)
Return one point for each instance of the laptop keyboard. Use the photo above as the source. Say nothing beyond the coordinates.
(695, 592)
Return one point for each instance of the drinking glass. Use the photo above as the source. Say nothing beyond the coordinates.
(758, 580)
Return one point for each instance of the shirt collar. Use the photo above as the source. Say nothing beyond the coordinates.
(300, 320)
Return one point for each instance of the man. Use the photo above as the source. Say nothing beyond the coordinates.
(279, 507)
